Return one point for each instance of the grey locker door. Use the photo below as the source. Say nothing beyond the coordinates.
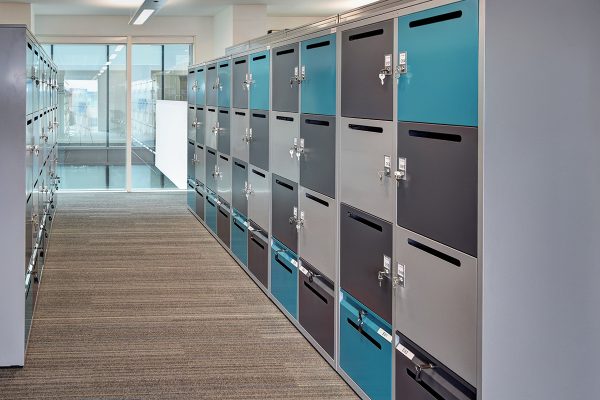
(200, 201)
(224, 224)
(438, 199)
(211, 164)
(259, 143)
(210, 138)
(192, 122)
(317, 242)
(191, 152)
(284, 201)
(200, 164)
(29, 178)
(259, 198)
(240, 123)
(240, 91)
(437, 307)
(285, 64)
(239, 181)
(365, 146)
(258, 253)
(317, 162)
(224, 177)
(211, 88)
(316, 306)
(365, 250)
(285, 128)
(200, 124)
(365, 51)
(224, 131)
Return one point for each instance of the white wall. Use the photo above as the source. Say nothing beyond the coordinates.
(279, 23)
(236, 24)
(17, 14)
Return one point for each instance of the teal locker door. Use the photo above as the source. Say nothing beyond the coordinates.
(441, 47)
(224, 84)
(201, 86)
(259, 76)
(284, 276)
(318, 58)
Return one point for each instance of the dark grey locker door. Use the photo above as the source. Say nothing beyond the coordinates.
(316, 306)
(365, 52)
(285, 64)
(192, 123)
(191, 156)
(224, 223)
(240, 90)
(224, 131)
(200, 163)
(200, 124)
(438, 198)
(366, 244)
(317, 162)
(284, 201)
(200, 201)
(259, 143)
(211, 163)
(258, 253)
(211, 90)
(239, 181)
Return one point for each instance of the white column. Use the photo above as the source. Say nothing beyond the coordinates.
(129, 115)
(16, 14)
(236, 24)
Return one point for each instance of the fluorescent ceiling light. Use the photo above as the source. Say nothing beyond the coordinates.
(144, 15)
(146, 9)
(112, 56)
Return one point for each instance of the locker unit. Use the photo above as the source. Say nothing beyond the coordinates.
(200, 200)
(200, 162)
(437, 196)
(436, 305)
(318, 75)
(366, 245)
(258, 138)
(191, 157)
(316, 306)
(284, 211)
(224, 84)
(420, 376)
(240, 125)
(366, 166)
(259, 196)
(200, 86)
(212, 127)
(192, 123)
(224, 222)
(192, 86)
(223, 176)
(240, 83)
(212, 89)
(317, 153)
(284, 276)
(223, 131)
(239, 237)
(317, 242)
(365, 348)
(259, 76)
(285, 140)
(258, 253)
(286, 78)
(200, 124)
(367, 58)
(439, 43)
(210, 210)
(239, 186)
(211, 169)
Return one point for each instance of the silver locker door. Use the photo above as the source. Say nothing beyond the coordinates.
(283, 202)
(240, 123)
(210, 138)
(285, 129)
(224, 177)
(239, 183)
(437, 307)
(317, 237)
(259, 143)
(259, 198)
(200, 164)
(29, 178)
(192, 123)
(211, 164)
(366, 144)
(317, 161)
(224, 130)
(211, 88)
(201, 124)
(239, 88)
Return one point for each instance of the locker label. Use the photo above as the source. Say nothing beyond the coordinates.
(388, 61)
(407, 353)
(294, 263)
(385, 335)
(333, 30)
(303, 270)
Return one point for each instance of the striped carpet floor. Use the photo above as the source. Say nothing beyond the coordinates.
(138, 301)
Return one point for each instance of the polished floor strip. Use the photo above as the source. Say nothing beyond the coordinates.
(138, 301)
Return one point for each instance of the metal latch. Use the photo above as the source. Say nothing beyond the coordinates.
(295, 78)
(300, 221)
(294, 217)
(402, 67)
(360, 321)
(217, 128)
(387, 68)
(195, 86)
(400, 278)
(247, 189)
(298, 148)
(387, 167)
(247, 82)
(400, 174)
(247, 136)
(420, 368)
(387, 270)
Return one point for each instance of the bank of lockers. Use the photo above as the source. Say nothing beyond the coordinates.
(318, 75)
(284, 276)
(258, 253)
(224, 131)
(212, 90)
(285, 73)
(211, 127)
(285, 141)
(259, 77)
(224, 222)
(201, 86)
(317, 153)
(240, 125)
(284, 211)
(240, 83)
(224, 84)
(239, 186)
(259, 139)
(239, 236)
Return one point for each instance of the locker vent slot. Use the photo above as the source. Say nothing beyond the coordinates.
(224, 65)
(243, 114)
(211, 68)
(201, 70)
(239, 227)
(366, 128)
(424, 385)
(189, 185)
(259, 115)
(434, 252)
(212, 152)
(258, 173)
(317, 45)
(317, 122)
(285, 185)
(224, 111)
(284, 52)
(200, 194)
(435, 19)
(210, 202)
(318, 200)
(435, 135)
(283, 265)
(200, 108)
(282, 118)
(36, 118)
(28, 45)
(192, 108)
(200, 147)
(223, 158)
(242, 166)
(223, 213)
(28, 122)
(192, 72)
(238, 62)
(212, 110)
(257, 58)
(257, 242)
(365, 221)
(365, 334)
(29, 197)
(319, 295)
(364, 35)
(192, 143)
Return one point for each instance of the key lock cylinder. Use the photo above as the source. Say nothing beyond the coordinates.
(397, 280)
(247, 82)
(247, 191)
(298, 219)
(298, 77)
(297, 148)
(247, 138)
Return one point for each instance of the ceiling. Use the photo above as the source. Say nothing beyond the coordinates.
(190, 7)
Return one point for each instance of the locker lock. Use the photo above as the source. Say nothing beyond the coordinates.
(297, 148)
(387, 167)
(44, 136)
(360, 322)
(34, 149)
(387, 68)
(217, 173)
(420, 368)
(298, 219)
(402, 67)
(195, 160)
(298, 77)
(195, 86)
(247, 82)
(312, 276)
(400, 174)
(217, 85)
(195, 123)
(386, 272)
(247, 190)
(217, 128)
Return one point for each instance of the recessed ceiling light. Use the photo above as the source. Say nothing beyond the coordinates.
(144, 12)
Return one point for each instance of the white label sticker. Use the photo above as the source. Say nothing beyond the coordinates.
(407, 353)
(388, 60)
(251, 229)
(387, 263)
(385, 335)
(333, 30)
(295, 263)
(303, 270)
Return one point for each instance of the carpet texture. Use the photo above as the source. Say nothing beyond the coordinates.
(138, 301)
